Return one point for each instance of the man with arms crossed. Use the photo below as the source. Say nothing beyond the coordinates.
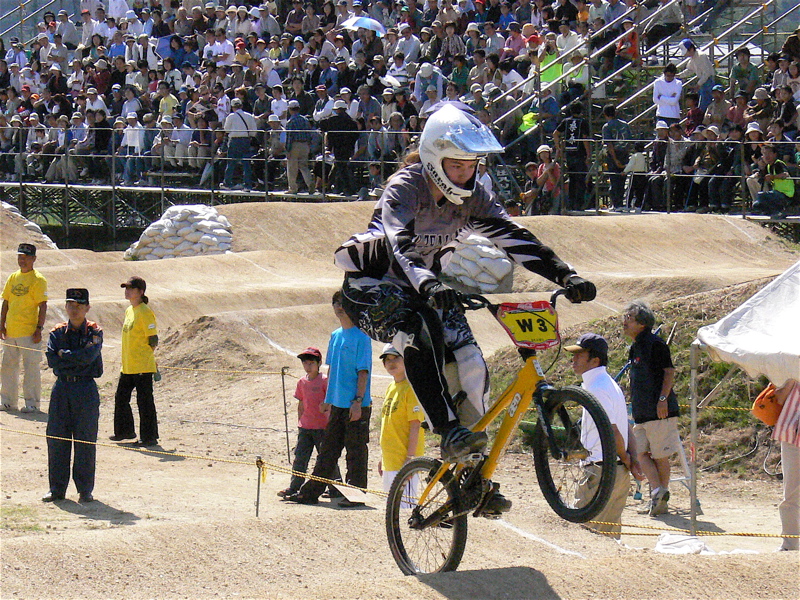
(589, 360)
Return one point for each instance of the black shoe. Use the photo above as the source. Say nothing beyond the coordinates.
(345, 503)
(286, 492)
(121, 438)
(52, 497)
(497, 504)
(460, 442)
(85, 498)
(300, 499)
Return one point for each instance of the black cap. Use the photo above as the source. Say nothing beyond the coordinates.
(79, 295)
(592, 342)
(26, 249)
(135, 282)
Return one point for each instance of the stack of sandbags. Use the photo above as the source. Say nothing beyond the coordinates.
(32, 227)
(479, 266)
(188, 230)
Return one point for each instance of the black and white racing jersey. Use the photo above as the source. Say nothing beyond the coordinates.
(410, 238)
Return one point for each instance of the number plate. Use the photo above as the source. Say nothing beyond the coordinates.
(532, 325)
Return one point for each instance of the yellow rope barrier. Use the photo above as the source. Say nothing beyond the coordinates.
(260, 464)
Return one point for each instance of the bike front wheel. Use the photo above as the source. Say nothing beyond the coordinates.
(424, 537)
(574, 491)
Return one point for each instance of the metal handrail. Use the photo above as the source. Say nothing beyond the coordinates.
(561, 59)
(712, 43)
(25, 17)
(730, 52)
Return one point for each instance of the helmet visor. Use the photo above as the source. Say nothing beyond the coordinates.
(472, 140)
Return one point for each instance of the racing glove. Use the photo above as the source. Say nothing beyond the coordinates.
(579, 289)
(440, 296)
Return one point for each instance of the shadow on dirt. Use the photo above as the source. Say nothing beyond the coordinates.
(490, 584)
(98, 511)
(681, 519)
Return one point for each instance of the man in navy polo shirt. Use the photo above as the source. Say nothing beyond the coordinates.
(654, 404)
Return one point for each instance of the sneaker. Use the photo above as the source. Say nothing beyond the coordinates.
(659, 503)
(286, 492)
(29, 409)
(460, 442)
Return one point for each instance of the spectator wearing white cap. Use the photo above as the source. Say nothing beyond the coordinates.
(427, 76)
(239, 127)
(408, 44)
(95, 101)
(135, 27)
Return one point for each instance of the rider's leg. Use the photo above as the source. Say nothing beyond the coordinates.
(391, 313)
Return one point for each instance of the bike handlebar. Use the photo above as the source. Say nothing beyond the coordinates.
(477, 302)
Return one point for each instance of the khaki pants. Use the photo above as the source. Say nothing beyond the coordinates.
(790, 507)
(13, 349)
(754, 185)
(612, 513)
(198, 156)
(297, 158)
(175, 155)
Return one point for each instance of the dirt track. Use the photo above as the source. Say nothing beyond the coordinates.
(164, 526)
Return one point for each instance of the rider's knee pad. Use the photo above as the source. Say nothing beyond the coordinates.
(474, 378)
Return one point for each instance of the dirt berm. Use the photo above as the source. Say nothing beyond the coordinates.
(181, 523)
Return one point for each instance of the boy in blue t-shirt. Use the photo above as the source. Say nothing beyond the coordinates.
(349, 405)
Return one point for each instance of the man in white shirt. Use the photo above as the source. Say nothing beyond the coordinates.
(68, 31)
(87, 29)
(408, 44)
(222, 51)
(667, 96)
(567, 40)
(177, 152)
(239, 126)
(589, 360)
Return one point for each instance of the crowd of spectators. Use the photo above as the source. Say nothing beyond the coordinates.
(134, 87)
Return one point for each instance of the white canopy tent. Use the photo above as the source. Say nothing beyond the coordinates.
(761, 337)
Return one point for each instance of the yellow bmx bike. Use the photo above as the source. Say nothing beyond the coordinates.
(429, 500)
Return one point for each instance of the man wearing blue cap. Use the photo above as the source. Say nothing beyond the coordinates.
(74, 353)
(589, 360)
(700, 65)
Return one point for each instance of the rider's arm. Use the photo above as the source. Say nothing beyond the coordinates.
(398, 215)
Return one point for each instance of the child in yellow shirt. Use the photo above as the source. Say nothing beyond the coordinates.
(402, 437)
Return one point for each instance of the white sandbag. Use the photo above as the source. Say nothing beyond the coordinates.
(159, 251)
(223, 246)
(152, 257)
(221, 233)
(194, 236)
(484, 277)
(184, 245)
(490, 251)
(208, 240)
(223, 220)
(206, 225)
(486, 288)
(496, 267)
(198, 247)
(185, 230)
(471, 268)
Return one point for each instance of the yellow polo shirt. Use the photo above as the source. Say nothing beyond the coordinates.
(24, 292)
(137, 355)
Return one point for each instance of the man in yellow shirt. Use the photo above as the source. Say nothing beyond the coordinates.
(21, 320)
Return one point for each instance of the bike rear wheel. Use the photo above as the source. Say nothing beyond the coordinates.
(560, 470)
(430, 548)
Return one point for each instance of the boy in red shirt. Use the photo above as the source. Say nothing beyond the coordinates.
(311, 421)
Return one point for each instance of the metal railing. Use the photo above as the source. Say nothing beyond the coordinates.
(25, 14)
(730, 31)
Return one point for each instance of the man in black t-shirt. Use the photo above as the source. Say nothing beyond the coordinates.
(653, 402)
(572, 146)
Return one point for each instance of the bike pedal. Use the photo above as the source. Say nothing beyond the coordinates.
(492, 516)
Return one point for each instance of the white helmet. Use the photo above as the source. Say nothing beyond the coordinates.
(452, 133)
